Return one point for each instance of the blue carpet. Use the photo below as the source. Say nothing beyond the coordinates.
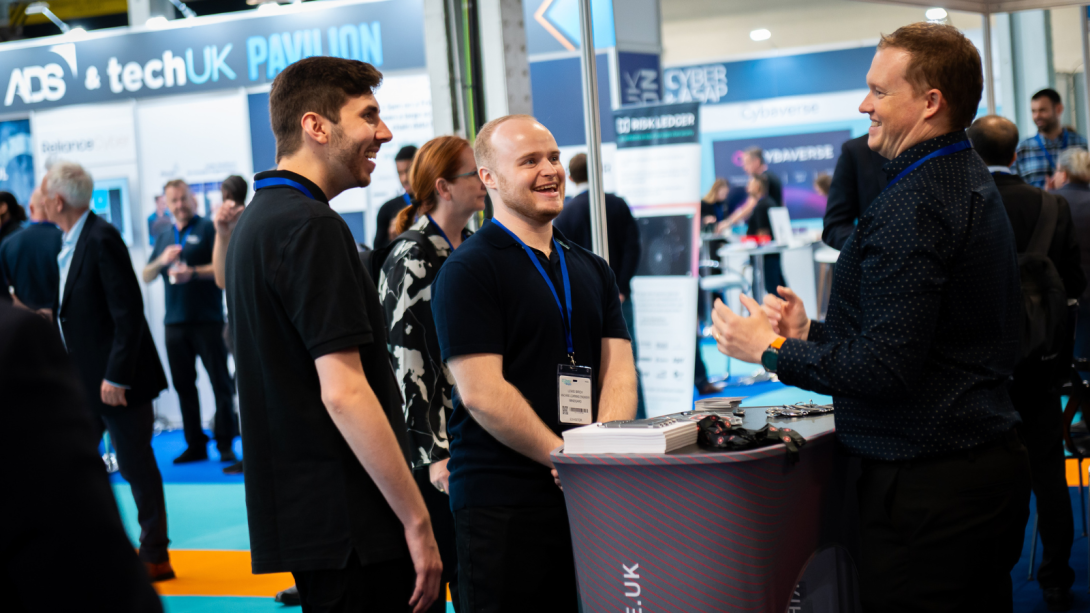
(199, 516)
(170, 444)
(1027, 595)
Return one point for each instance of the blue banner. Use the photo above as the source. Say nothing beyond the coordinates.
(639, 78)
(650, 126)
(209, 54)
(16, 160)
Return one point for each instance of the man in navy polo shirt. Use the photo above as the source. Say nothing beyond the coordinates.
(194, 321)
(531, 327)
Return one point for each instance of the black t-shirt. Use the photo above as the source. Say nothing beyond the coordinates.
(758, 219)
(489, 298)
(297, 291)
(197, 300)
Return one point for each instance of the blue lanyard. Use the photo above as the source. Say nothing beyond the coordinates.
(1048, 156)
(180, 239)
(947, 150)
(271, 181)
(441, 233)
(552, 288)
(408, 199)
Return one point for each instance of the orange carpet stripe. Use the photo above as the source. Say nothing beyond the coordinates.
(1073, 472)
(219, 573)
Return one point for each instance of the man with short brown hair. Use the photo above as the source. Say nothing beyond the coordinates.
(329, 495)
(921, 337)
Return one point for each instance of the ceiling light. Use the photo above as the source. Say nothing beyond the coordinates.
(77, 33)
(935, 14)
(761, 34)
(268, 7)
(42, 8)
(157, 21)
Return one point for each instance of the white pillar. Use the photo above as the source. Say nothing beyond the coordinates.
(989, 71)
(505, 68)
(437, 57)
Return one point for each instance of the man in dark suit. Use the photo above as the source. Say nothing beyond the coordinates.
(996, 140)
(28, 261)
(101, 317)
(71, 509)
(857, 181)
(387, 213)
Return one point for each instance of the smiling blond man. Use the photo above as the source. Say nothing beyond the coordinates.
(921, 337)
(530, 325)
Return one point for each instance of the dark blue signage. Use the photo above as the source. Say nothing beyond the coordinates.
(209, 54)
(665, 124)
(639, 74)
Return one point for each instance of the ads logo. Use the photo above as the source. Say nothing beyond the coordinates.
(37, 83)
(624, 125)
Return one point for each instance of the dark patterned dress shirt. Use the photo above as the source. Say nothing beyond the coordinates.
(404, 288)
(922, 332)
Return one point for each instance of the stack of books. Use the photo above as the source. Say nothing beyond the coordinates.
(654, 435)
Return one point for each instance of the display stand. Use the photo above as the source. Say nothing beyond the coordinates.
(700, 531)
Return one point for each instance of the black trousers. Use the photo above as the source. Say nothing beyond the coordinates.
(375, 588)
(185, 343)
(442, 524)
(515, 559)
(130, 435)
(943, 534)
(1042, 431)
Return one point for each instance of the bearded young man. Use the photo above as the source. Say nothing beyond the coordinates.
(329, 494)
(1038, 156)
(921, 337)
(523, 316)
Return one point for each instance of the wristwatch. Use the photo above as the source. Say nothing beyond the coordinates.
(772, 355)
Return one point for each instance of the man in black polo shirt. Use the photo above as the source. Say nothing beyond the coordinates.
(329, 495)
(920, 341)
(524, 316)
(194, 321)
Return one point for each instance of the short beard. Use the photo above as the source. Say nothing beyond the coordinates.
(524, 206)
(349, 155)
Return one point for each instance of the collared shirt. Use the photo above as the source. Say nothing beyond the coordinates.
(1033, 165)
(68, 249)
(197, 300)
(1003, 170)
(405, 288)
(922, 332)
(490, 298)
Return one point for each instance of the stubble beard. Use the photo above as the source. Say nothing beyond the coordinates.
(350, 155)
(523, 203)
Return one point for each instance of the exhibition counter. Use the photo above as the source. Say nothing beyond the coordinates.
(698, 530)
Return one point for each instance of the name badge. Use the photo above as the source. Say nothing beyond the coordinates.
(193, 240)
(574, 397)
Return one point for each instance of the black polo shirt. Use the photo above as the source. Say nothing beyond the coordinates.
(197, 300)
(489, 298)
(297, 291)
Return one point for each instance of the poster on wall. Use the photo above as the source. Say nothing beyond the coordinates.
(796, 159)
(17, 160)
(657, 170)
(110, 201)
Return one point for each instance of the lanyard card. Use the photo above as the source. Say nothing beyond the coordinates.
(574, 386)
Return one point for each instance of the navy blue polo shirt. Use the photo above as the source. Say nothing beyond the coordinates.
(198, 300)
(489, 298)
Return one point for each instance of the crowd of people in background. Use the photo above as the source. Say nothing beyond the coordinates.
(398, 401)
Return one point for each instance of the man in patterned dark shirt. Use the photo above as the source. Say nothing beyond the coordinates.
(921, 338)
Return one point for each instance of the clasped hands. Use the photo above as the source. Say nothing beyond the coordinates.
(746, 338)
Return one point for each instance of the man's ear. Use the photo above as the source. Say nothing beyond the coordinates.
(487, 178)
(934, 101)
(316, 128)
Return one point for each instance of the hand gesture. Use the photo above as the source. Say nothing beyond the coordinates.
(112, 395)
(440, 476)
(425, 555)
(787, 314)
(169, 255)
(745, 338)
(182, 273)
(226, 216)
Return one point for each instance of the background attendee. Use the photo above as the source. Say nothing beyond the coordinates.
(1032, 389)
(921, 336)
(755, 210)
(233, 191)
(1037, 155)
(622, 232)
(159, 220)
(753, 162)
(68, 511)
(194, 322)
(12, 215)
(387, 213)
(713, 204)
(857, 180)
(329, 493)
(28, 261)
(513, 275)
(822, 183)
(101, 317)
(448, 191)
(1073, 184)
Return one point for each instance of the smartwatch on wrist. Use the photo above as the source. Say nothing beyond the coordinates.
(771, 355)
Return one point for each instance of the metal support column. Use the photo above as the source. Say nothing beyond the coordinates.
(989, 72)
(599, 239)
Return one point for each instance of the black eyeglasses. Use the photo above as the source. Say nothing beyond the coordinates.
(472, 173)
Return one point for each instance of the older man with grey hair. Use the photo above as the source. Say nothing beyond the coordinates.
(100, 314)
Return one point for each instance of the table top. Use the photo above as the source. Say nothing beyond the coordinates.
(811, 428)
